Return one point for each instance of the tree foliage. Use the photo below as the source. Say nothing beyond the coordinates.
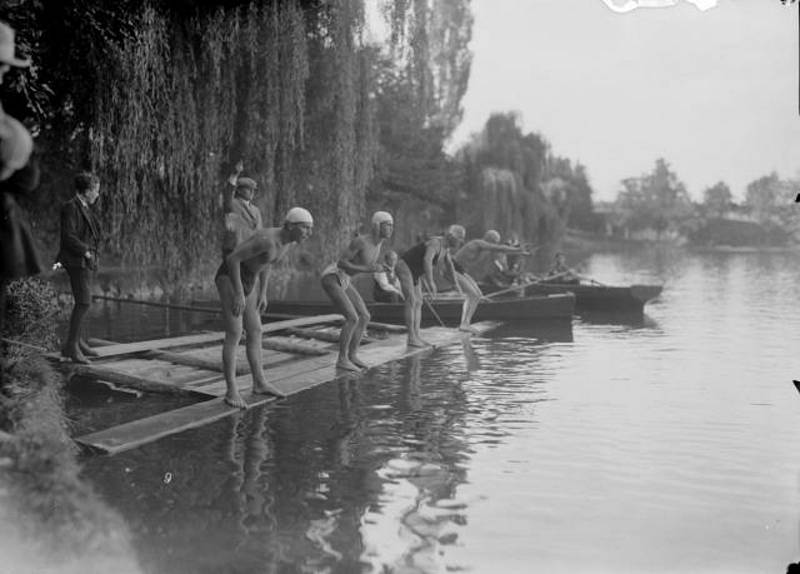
(507, 184)
(657, 200)
(421, 80)
(717, 199)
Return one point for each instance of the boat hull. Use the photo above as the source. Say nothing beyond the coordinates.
(559, 306)
(601, 299)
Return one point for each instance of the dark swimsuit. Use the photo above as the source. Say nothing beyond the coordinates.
(414, 258)
(248, 277)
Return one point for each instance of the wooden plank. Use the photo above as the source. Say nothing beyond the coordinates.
(327, 335)
(131, 381)
(136, 433)
(314, 371)
(389, 328)
(159, 370)
(150, 345)
(197, 362)
(283, 344)
(272, 374)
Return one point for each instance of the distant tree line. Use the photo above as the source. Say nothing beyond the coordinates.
(659, 201)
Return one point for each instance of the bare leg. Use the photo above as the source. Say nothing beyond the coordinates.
(472, 295)
(418, 300)
(360, 328)
(252, 326)
(331, 285)
(233, 332)
(411, 306)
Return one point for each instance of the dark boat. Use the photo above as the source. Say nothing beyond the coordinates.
(598, 298)
(559, 306)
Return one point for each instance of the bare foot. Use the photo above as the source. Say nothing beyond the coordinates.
(235, 400)
(468, 329)
(358, 363)
(347, 366)
(265, 388)
(417, 343)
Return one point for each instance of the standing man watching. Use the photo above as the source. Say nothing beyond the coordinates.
(80, 234)
(242, 217)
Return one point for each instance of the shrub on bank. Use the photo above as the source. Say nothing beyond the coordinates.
(42, 495)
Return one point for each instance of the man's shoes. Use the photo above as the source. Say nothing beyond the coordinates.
(75, 355)
(86, 349)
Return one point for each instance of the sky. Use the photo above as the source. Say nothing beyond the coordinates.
(714, 92)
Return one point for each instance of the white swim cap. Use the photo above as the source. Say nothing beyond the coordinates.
(298, 215)
(491, 236)
(382, 217)
(457, 231)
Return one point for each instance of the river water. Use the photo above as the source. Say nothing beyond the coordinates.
(665, 446)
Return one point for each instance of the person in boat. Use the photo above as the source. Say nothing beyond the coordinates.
(80, 236)
(561, 273)
(469, 263)
(360, 256)
(241, 281)
(415, 267)
(386, 286)
(242, 216)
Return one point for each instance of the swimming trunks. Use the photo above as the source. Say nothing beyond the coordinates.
(415, 257)
(247, 276)
(341, 275)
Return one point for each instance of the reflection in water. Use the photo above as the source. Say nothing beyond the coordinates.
(665, 446)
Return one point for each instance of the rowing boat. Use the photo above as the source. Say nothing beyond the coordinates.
(598, 298)
(534, 307)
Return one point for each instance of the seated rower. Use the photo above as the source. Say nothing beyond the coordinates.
(360, 256)
(386, 287)
(560, 273)
(242, 285)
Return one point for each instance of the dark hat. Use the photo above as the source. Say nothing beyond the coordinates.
(246, 182)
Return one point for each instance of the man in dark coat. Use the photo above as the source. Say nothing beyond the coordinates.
(80, 234)
(19, 175)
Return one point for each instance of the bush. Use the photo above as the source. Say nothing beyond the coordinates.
(30, 311)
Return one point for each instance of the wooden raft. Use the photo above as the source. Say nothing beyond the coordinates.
(193, 365)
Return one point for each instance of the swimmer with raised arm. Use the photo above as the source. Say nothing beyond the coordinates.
(242, 285)
(467, 261)
(360, 256)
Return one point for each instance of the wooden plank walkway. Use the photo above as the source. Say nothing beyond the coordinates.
(199, 339)
(290, 376)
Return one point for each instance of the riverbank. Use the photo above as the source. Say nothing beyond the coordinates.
(51, 519)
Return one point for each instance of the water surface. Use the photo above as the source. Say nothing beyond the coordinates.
(670, 445)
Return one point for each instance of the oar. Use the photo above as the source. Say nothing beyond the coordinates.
(514, 288)
(432, 310)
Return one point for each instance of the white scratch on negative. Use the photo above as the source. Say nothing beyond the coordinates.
(629, 5)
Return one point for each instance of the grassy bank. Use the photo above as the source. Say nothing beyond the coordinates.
(52, 521)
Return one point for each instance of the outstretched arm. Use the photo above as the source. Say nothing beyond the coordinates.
(500, 248)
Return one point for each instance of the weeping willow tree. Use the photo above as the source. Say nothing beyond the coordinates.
(508, 184)
(422, 78)
(162, 97)
(166, 96)
(184, 102)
